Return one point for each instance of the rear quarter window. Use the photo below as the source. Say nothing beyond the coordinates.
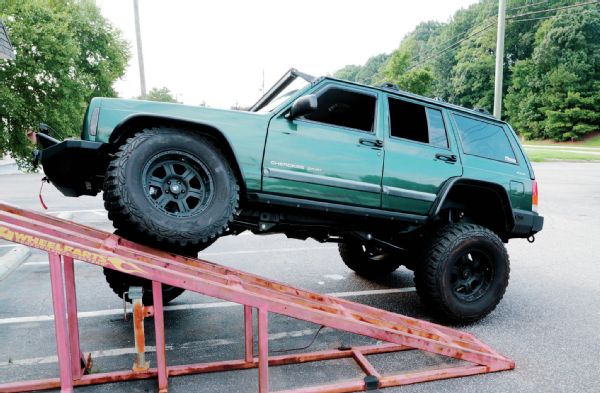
(483, 139)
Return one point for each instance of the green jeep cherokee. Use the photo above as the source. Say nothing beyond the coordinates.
(393, 178)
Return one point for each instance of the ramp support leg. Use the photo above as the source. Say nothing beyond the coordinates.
(78, 362)
(60, 323)
(248, 334)
(263, 350)
(159, 332)
(140, 363)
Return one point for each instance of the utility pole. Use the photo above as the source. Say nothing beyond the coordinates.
(499, 59)
(138, 36)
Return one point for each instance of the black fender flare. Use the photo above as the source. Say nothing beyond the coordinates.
(500, 191)
(138, 121)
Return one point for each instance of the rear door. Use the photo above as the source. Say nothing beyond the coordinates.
(420, 155)
(334, 154)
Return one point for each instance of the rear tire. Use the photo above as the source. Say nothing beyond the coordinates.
(171, 186)
(464, 273)
(368, 261)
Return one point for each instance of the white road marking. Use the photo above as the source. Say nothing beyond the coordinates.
(75, 211)
(321, 282)
(131, 350)
(291, 249)
(336, 277)
(196, 306)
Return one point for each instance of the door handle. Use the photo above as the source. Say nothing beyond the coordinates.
(371, 142)
(446, 157)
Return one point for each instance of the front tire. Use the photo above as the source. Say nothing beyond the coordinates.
(171, 186)
(368, 261)
(464, 274)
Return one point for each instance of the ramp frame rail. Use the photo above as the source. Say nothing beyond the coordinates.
(65, 241)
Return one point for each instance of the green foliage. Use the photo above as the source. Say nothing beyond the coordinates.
(366, 74)
(163, 95)
(556, 93)
(551, 69)
(67, 53)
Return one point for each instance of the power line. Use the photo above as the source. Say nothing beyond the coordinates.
(446, 42)
(488, 17)
(450, 47)
(526, 5)
(541, 17)
(553, 9)
(512, 18)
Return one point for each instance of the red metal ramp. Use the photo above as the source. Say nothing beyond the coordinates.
(74, 241)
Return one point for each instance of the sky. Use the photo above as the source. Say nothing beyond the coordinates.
(216, 52)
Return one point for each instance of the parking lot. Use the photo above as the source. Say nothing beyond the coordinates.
(548, 321)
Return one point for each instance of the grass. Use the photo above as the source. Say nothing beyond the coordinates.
(551, 155)
(591, 141)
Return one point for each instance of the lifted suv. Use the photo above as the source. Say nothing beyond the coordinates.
(394, 178)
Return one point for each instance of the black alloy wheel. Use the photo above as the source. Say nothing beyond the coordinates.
(471, 275)
(178, 184)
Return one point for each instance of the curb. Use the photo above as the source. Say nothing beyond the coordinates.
(19, 254)
(12, 260)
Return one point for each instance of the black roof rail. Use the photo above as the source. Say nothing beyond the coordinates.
(389, 85)
(482, 110)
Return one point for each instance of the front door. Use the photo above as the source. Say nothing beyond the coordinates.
(334, 154)
(420, 155)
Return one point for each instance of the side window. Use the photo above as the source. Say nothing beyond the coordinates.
(417, 123)
(345, 108)
(484, 139)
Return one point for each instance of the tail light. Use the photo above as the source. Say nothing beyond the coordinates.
(534, 196)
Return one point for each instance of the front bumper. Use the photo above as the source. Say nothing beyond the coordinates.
(75, 167)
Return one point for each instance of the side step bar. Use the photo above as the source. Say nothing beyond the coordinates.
(65, 240)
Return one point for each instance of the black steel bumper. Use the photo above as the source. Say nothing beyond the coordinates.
(527, 223)
(74, 167)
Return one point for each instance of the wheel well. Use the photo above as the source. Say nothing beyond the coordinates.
(138, 123)
(482, 203)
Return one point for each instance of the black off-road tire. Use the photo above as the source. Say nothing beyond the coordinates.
(464, 273)
(368, 263)
(120, 282)
(128, 199)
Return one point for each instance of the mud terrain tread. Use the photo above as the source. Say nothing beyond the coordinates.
(427, 276)
(125, 216)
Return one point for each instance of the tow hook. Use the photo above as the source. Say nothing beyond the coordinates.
(531, 239)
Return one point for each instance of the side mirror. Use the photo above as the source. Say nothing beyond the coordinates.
(303, 106)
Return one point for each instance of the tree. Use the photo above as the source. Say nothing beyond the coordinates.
(398, 70)
(472, 78)
(163, 95)
(556, 93)
(67, 53)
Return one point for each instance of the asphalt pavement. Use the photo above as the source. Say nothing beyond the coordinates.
(548, 321)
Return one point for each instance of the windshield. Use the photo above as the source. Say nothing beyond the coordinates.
(284, 95)
(291, 82)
